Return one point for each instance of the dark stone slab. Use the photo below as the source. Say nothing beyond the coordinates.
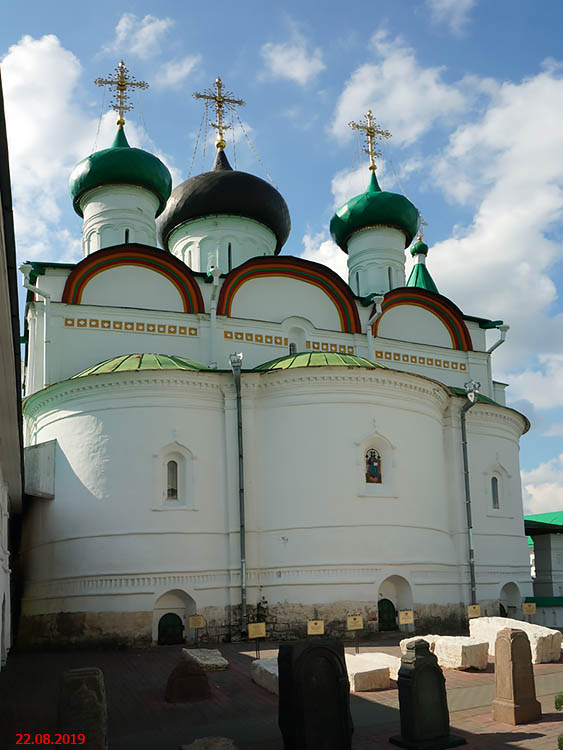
(83, 706)
(314, 696)
(188, 682)
(515, 701)
(425, 720)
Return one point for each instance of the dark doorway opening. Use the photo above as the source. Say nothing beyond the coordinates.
(170, 630)
(387, 615)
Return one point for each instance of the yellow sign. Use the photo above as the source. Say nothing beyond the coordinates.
(196, 621)
(406, 617)
(315, 627)
(354, 622)
(474, 610)
(256, 629)
(529, 608)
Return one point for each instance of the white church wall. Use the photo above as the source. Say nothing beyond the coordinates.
(413, 323)
(132, 286)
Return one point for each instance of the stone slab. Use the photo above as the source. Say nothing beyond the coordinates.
(461, 652)
(209, 659)
(515, 700)
(211, 743)
(264, 672)
(366, 673)
(545, 643)
(430, 639)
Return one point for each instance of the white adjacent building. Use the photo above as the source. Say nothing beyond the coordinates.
(351, 402)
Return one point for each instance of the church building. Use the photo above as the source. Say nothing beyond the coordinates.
(216, 427)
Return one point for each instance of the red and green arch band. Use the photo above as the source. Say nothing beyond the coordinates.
(294, 268)
(439, 306)
(155, 260)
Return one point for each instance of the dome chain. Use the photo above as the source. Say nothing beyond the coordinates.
(196, 145)
(258, 159)
(99, 121)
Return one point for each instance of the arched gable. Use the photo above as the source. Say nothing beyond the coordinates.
(304, 271)
(441, 308)
(138, 256)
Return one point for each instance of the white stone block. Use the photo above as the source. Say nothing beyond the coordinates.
(460, 652)
(430, 638)
(265, 673)
(209, 659)
(545, 643)
(366, 673)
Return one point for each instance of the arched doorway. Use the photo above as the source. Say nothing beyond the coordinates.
(394, 593)
(170, 630)
(510, 599)
(175, 602)
(386, 615)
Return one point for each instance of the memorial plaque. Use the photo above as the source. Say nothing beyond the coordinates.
(515, 701)
(83, 706)
(529, 608)
(196, 621)
(354, 622)
(314, 696)
(315, 627)
(256, 629)
(406, 617)
(474, 610)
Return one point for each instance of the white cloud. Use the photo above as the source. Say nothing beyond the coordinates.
(141, 37)
(293, 60)
(543, 487)
(320, 249)
(174, 72)
(454, 13)
(406, 98)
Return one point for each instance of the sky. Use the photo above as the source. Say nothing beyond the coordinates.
(471, 91)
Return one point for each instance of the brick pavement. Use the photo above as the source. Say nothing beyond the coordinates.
(139, 718)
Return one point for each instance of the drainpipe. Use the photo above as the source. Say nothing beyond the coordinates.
(371, 348)
(472, 390)
(503, 329)
(26, 269)
(215, 272)
(236, 364)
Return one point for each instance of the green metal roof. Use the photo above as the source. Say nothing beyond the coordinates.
(318, 359)
(135, 362)
(555, 518)
(481, 399)
(374, 208)
(546, 601)
(120, 165)
(420, 277)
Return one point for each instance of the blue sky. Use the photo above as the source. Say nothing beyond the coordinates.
(472, 92)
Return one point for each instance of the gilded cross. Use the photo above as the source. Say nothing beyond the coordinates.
(372, 132)
(122, 81)
(421, 225)
(220, 100)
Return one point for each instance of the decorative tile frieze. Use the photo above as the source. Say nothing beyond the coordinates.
(415, 359)
(255, 338)
(325, 346)
(130, 326)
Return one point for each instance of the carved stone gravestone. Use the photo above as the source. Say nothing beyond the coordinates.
(83, 706)
(515, 701)
(314, 696)
(425, 721)
(187, 682)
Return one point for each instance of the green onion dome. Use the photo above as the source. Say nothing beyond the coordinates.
(318, 359)
(419, 248)
(138, 362)
(120, 165)
(373, 208)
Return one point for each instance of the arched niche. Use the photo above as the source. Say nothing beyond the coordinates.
(511, 599)
(394, 593)
(184, 460)
(387, 454)
(174, 602)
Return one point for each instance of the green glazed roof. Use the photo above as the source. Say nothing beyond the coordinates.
(419, 248)
(374, 208)
(420, 277)
(555, 517)
(120, 165)
(135, 362)
(318, 359)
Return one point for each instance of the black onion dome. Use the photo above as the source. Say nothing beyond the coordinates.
(225, 190)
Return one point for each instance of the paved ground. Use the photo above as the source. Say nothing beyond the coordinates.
(140, 719)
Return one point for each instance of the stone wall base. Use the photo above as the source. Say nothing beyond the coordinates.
(285, 621)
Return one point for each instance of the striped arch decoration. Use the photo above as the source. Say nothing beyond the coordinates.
(448, 313)
(293, 268)
(158, 261)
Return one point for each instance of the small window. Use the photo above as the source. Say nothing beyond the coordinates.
(126, 236)
(373, 467)
(230, 256)
(292, 348)
(390, 277)
(358, 283)
(172, 480)
(494, 493)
